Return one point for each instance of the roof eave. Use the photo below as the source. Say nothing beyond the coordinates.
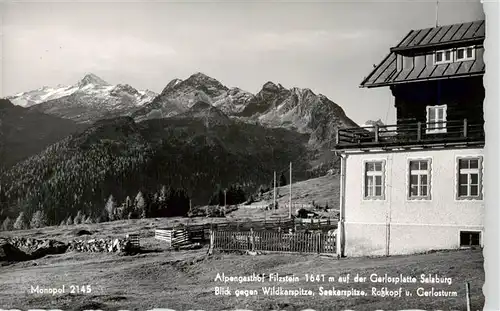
(375, 69)
(369, 86)
(438, 44)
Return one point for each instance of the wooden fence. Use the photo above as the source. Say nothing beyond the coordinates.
(134, 240)
(271, 241)
(174, 237)
(295, 206)
(190, 233)
(278, 224)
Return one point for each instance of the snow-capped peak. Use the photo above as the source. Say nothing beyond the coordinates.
(91, 78)
(201, 79)
(90, 87)
(201, 76)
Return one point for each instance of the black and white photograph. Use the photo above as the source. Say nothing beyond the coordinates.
(244, 155)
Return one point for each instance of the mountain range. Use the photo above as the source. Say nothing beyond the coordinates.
(90, 99)
(81, 143)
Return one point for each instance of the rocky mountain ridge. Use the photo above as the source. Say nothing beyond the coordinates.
(92, 98)
(298, 109)
(89, 99)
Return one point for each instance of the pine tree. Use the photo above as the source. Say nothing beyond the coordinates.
(128, 208)
(180, 202)
(7, 224)
(78, 218)
(88, 220)
(282, 180)
(164, 200)
(152, 205)
(162, 197)
(217, 197)
(38, 220)
(140, 205)
(20, 223)
(3, 200)
(69, 221)
(110, 208)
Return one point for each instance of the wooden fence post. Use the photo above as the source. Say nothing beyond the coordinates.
(212, 242)
(467, 293)
(419, 131)
(319, 242)
(465, 128)
(252, 240)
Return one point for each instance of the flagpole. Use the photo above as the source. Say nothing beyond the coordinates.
(274, 201)
(437, 12)
(290, 205)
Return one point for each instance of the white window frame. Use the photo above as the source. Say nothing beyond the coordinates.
(371, 174)
(419, 173)
(444, 61)
(441, 129)
(465, 58)
(469, 172)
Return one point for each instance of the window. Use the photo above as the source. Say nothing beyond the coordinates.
(436, 119)
(466, 53)
(469, 184)
(443, 57)
(470, 238)
(419, 179)
(374, 187)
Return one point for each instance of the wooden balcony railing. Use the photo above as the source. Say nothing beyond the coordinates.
(411, 134)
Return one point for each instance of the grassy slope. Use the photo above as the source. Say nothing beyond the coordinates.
(185, 280)
(322, 190)
(317, 189)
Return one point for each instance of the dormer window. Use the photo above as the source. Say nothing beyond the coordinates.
(443, 57)
(466, 53)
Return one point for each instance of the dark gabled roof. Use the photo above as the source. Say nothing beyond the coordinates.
(442, 35)
(458, 34)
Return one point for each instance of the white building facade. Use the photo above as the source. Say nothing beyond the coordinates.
(413, 201)
(418, 185)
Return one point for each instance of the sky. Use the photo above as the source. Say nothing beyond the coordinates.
(327, 46)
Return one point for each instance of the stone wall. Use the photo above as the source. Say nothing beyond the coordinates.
(94, 245)
(100, 245)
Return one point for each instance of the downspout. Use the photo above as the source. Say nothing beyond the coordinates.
(340, 231)
(389, 205)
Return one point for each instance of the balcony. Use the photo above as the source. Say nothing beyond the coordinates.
(411, 135)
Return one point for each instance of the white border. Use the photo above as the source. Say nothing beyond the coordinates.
(492, 151)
